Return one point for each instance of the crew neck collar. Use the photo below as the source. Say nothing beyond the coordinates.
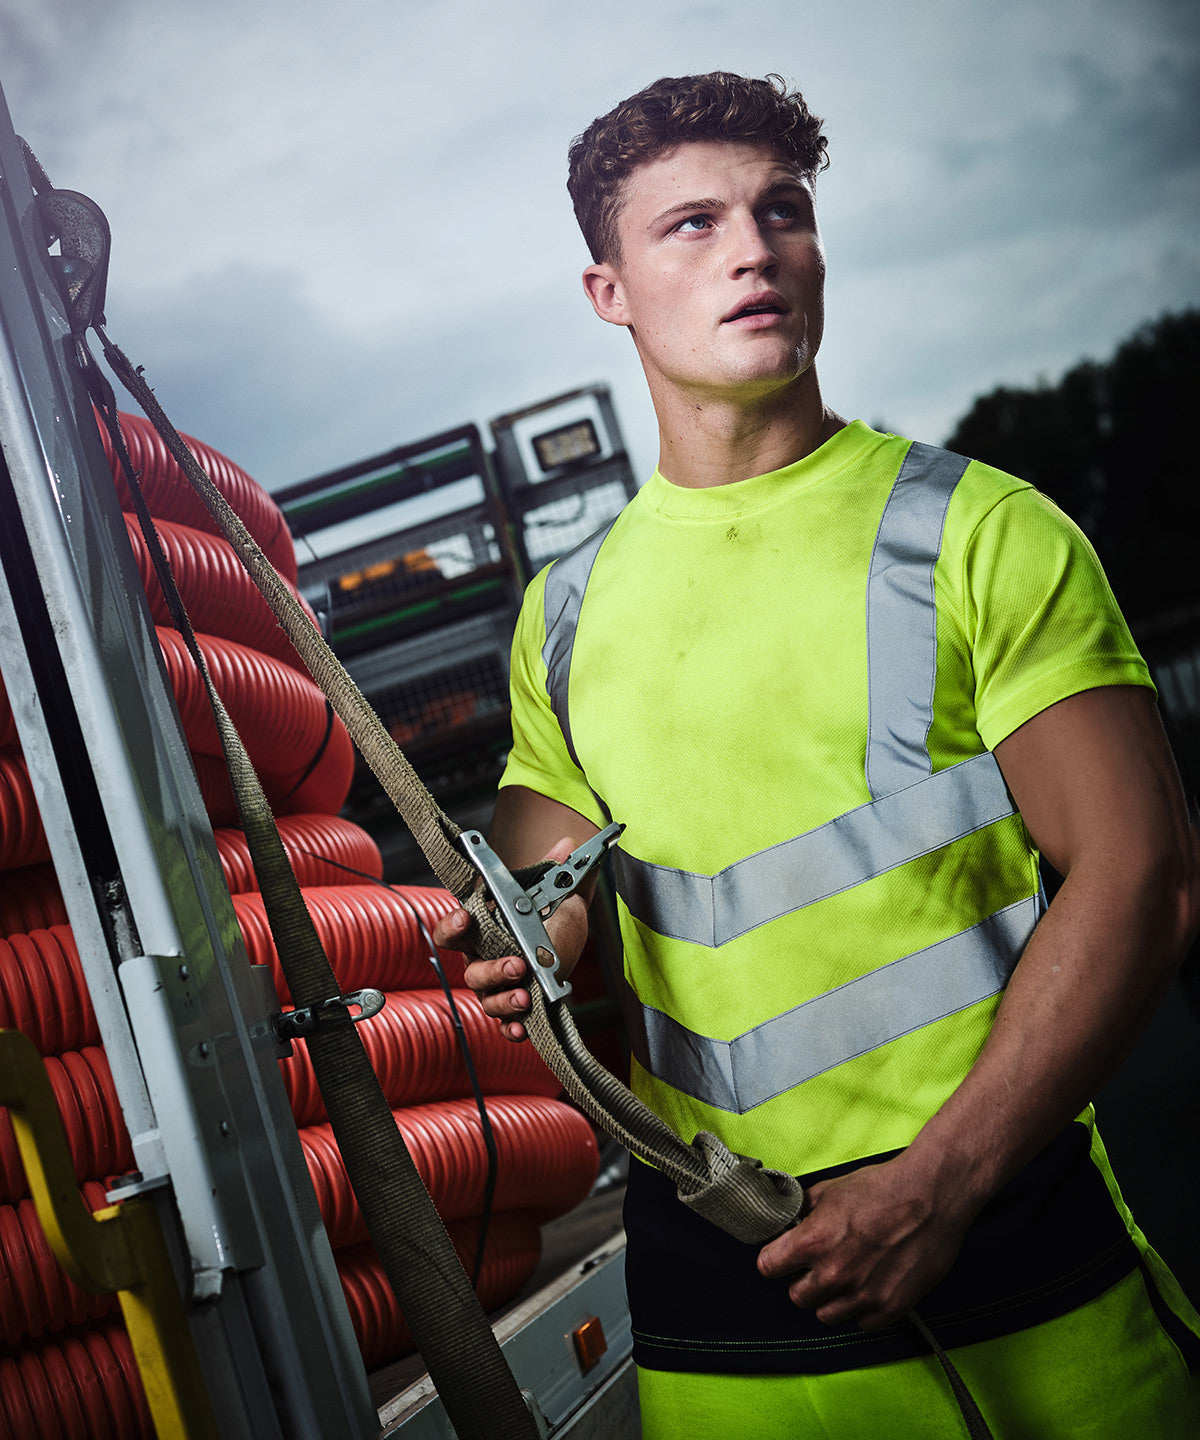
(842, 449)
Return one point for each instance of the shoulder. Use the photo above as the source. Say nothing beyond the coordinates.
(991, 509)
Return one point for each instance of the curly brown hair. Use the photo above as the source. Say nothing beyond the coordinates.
(717, 106)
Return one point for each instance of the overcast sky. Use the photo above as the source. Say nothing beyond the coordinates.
(339, 227)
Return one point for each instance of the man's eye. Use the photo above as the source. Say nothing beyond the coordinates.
(693, 224)
(781, 210)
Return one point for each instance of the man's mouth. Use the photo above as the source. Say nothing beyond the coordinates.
(764, 303)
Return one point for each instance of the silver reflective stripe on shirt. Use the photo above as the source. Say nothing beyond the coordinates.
(876, 837)
(562, 602)
(912, 812)
(902, 618)
(830, 1029)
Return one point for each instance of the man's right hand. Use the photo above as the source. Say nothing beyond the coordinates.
(502, 984)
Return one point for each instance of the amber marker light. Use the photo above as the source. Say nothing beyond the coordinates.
(589, 1342)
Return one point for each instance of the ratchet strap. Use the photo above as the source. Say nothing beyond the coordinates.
(476, 1387)
(735, 1192)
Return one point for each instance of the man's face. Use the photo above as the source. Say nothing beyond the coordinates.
(721, 273)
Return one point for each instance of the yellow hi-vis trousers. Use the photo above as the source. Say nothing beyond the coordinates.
(1107, 1371)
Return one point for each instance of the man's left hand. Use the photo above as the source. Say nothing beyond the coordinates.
(870, 1245)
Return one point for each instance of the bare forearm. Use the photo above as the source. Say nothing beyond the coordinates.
(1095, 969)
(1096, 785)
(877, 1239)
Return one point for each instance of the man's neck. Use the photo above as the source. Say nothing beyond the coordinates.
(705, 442)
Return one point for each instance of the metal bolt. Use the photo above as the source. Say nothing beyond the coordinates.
(523, 904)
(204, 1048)
(184, 973)
(223, 1127)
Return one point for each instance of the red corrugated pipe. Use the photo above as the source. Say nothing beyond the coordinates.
(43, 992)
(219, 595)
(369, 933)
(80, 1387)
(511, 1255)
(38, 1295)
(22, 839)
(30, 900)
(414, 1050)
(280, 714)
(547, 1160)
(305, 838)
(96, 1133)
(169, 495)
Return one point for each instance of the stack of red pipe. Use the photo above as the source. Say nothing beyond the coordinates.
(65, 1362)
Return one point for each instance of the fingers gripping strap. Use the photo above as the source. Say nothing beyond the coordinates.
(699, 1173)
(737, 1193)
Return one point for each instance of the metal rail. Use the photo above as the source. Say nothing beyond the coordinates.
(182, 1017)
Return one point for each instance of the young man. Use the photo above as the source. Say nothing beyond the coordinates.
(838, 688)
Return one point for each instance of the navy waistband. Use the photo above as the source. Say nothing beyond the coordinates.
(1048, 1242)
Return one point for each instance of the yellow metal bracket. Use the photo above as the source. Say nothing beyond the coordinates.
(121, 1249)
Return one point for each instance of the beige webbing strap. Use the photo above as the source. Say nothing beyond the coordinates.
(477, 1388)
(735, 1192)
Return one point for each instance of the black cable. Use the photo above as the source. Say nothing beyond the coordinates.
(464, 1045)
(318, 755)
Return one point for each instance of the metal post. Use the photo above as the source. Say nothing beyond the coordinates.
(181, 1015)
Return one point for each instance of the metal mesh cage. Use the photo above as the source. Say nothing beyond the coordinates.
(551, 530)
(429, 686)
(404, 567)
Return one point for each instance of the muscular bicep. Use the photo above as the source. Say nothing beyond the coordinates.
(1095, 781)
(527, 824)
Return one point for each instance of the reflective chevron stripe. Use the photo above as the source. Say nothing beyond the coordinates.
(562, 602)
(902, 618)
(835, 1027)
(876, 837)
(913, 811)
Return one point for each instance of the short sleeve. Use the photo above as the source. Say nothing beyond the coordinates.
(539, 758)
(1041, 619)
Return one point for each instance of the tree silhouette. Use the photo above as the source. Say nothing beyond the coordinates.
(1112, 444)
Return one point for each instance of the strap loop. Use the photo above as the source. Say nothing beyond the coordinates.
(737, 1193)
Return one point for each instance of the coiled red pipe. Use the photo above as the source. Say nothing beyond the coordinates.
(79, 1387)
(510, 1256)
(369, 933)
(280, 715)
(169, 494)
(547, 1160)
(22, 838)
(96, 1135)
(43, 992)
(217, 592)
(414, 1050)
(305, 838)
(38, 1295)
(30, 900)
(8, 726)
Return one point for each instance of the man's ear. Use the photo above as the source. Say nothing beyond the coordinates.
(605, 291)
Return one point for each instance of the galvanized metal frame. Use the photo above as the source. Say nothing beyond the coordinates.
(182, 1018)
(536, 1341)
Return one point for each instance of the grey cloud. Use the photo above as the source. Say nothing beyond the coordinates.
(242, 361)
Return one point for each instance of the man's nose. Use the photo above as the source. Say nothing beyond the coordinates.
(750, 249)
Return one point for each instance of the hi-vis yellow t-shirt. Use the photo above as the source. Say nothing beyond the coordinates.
(718, 706)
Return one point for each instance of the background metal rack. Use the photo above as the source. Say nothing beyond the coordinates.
(415, 561)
